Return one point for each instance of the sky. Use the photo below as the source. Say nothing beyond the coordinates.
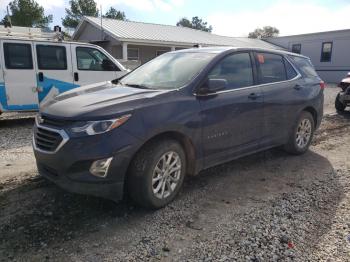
(228, 17)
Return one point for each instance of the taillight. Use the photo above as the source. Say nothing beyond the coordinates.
(322, 85)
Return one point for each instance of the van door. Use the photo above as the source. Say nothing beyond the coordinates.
(3, 100)
(55, 70)
(93, 65)
(19, 75)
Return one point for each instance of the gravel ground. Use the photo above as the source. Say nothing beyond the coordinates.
(266, 207)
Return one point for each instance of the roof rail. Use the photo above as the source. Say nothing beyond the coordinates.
(29, 33)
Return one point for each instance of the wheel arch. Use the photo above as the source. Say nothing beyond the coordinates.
(314, 114)
(183, 140)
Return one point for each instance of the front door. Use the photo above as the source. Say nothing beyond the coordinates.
(232, 119)
(54, 69)
(19, 75)
(91, 65)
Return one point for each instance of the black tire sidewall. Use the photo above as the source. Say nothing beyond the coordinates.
(154, 153)
(339, 106)
(296, 148)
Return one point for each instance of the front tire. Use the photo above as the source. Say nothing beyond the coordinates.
(302, 134)
(156, 174)
(339, 106)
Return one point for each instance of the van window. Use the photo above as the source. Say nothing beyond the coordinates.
(51, 57)
(271, 67)
(236, 69)
(305, 66)
(18, 56)
(91, 59)
(291, 73)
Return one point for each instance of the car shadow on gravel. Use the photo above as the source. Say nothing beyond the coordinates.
(36, 214)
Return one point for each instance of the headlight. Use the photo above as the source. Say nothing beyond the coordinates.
(98, 127)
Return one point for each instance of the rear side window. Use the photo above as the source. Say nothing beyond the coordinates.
(271, 68)
(51, 57)
(18, 56)
(305, 66)
(236, 69)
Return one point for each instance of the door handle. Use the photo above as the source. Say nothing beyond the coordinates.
(41, 76)
(76, 76)
(297, 87)
(254, 96)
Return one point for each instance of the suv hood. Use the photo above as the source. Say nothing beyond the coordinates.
(98, 100)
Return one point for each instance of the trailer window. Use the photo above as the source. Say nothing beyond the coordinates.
(18, 56)
(51, 57)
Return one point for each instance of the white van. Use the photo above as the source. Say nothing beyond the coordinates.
(34, 71)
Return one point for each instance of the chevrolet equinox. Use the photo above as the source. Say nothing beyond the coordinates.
(178, 114)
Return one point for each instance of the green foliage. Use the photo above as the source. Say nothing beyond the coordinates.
(78, 9)
(265, 32)
(115, 14)
(196, 23)
(27, 13)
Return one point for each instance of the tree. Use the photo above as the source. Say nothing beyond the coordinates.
(27, 13)
(115, 14)
(265, 32)
(78, 9)
(196, 23)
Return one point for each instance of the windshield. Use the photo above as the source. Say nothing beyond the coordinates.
(168, 71)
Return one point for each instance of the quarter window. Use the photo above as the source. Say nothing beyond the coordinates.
(305, 66)
(18, 56)
(290, 70)
(296, 48)
(91, 59)
(51, 57)
(236, 69)
(271, 68)
(133, 54)
(326, 54)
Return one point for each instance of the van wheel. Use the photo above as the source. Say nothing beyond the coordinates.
(156, 174)
(301, 137)
(339, 105)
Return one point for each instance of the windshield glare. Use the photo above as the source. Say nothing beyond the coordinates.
(168, 71)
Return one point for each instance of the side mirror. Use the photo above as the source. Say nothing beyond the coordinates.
(212, 86)
(108, 65)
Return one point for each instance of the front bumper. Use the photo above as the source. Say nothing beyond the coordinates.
(69, 166)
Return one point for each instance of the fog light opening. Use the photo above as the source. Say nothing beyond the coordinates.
(100, 167)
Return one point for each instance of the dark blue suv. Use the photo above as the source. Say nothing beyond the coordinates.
(180, 113)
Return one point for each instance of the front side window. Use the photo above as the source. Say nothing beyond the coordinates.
(91, 59)
(296, 48)
(51, 57)
(169, 71)
(326, 54)
(236, 69)
(18, 56)
(271, 68)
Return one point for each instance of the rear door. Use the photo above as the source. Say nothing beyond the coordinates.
(280, 84)
(55, 70)
(19, 75)
(92, 65)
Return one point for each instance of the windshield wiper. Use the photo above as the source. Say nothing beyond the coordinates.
(136, 86)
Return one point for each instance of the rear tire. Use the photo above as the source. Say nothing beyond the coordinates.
(339, 106)
(301, 136)
(156, 174)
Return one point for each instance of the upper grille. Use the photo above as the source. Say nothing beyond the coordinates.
(47, 140)
(53, 122)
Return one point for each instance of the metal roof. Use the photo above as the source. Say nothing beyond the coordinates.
(167, 34)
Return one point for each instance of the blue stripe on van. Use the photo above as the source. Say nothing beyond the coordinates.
(6, 107)
(49, 83)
